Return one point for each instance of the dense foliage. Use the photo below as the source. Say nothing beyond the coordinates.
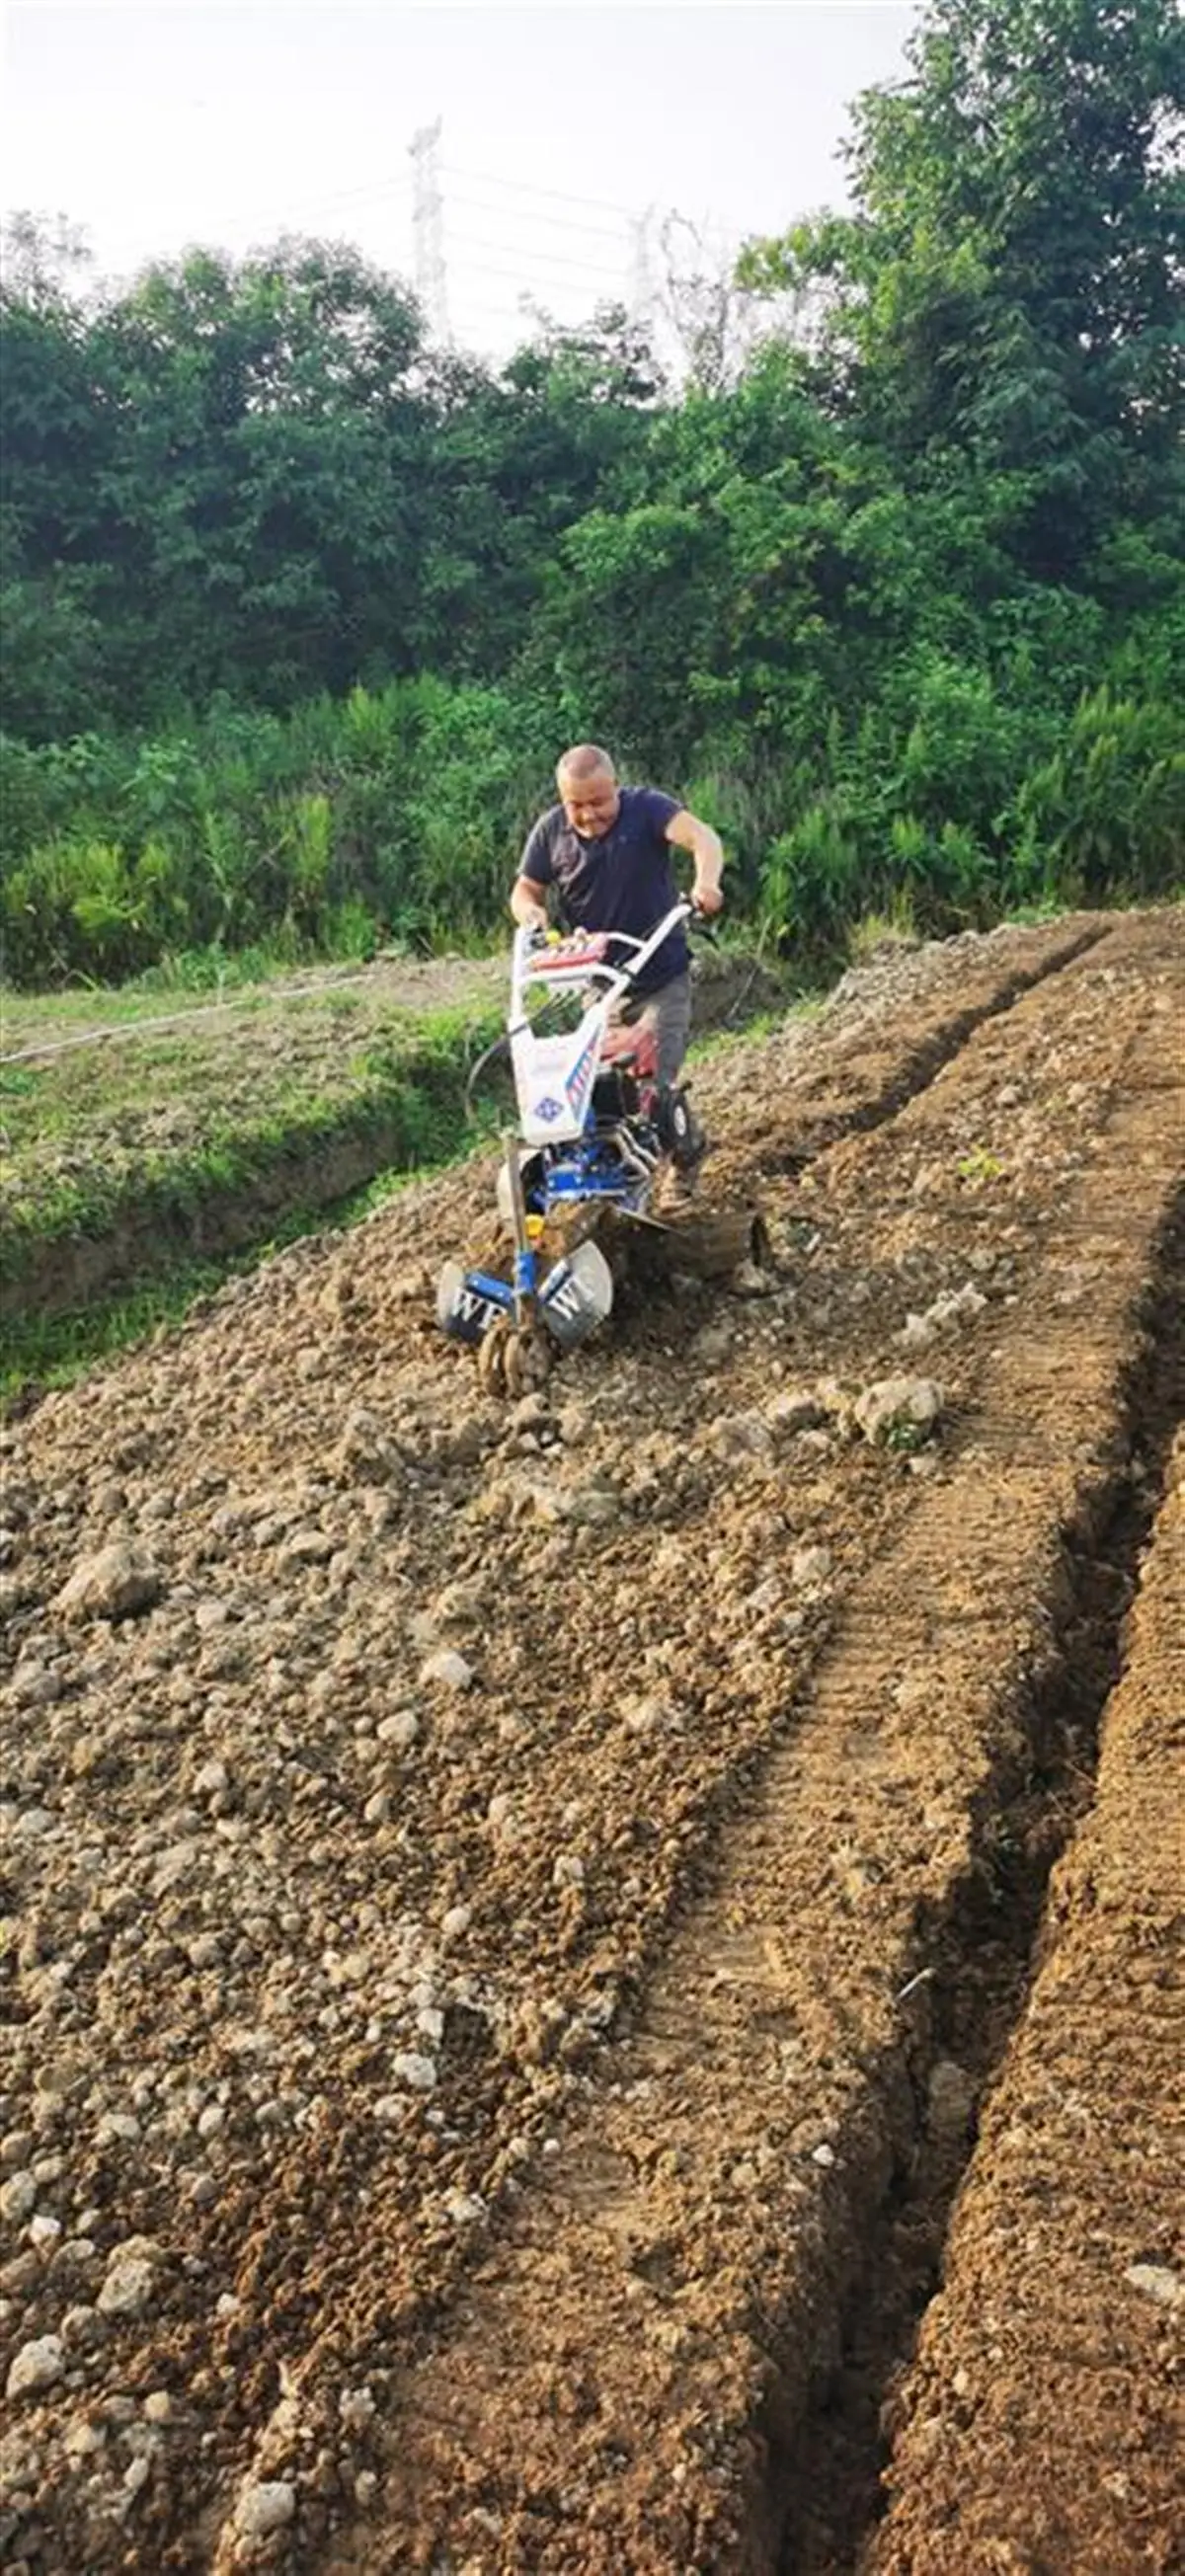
(297, 609)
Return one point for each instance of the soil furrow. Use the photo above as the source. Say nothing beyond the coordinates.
(1040, 2425)
(862, 1081)
(836, 2490)
(271, 1857)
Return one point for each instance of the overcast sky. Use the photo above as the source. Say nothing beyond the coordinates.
(155, 126)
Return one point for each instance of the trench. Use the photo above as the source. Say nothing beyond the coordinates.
(827, 2494)
(924, 1061)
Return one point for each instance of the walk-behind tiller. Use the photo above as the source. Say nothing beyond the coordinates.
(595, 1141)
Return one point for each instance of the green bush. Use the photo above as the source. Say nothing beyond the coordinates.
(84, 906)
(1105, 815)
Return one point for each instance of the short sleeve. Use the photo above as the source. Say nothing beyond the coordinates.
(535, 862)
(659, 808)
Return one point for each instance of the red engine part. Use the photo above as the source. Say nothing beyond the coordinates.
(575, 956)
(632, 1051)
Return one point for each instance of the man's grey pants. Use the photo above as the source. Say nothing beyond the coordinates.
(668, 1013)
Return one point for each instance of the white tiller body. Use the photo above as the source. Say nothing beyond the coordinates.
(554, 1076)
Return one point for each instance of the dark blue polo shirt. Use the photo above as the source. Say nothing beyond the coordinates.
(622, 881)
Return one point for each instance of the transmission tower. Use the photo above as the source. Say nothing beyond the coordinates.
(428, 228)
(643, 287)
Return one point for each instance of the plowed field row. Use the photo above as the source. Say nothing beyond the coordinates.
(465, 1918)
(1041, 2424)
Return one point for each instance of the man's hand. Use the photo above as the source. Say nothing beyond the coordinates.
(527, 904)
(686, 832)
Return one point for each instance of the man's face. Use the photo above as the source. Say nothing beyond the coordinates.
(590, 804)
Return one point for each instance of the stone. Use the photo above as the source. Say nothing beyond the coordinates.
(35, 1687)
(114, 1583)
(464, 2208)
(742, 1435)
(448, 1670)
(18, 2198)
(366, 1453)
(211, 1780)
(712, 1344)
(414, 2070)
(305, 1547)
(898, 1407)
(1157, 2281)
(749, 1280)
(797, 1408)
(402, 1726)
(357, 2408)
(36, 2366)
(950, 2099)
(265, 2508)
(127, 2289)
(82, 2439)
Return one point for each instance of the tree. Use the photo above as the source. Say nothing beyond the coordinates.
(1008, 291)
(266, 486)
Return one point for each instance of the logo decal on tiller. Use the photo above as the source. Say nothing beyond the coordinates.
(549, 1109)
(580, 1076)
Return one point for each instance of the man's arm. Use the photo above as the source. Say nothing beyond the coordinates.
(528, 895)
(528, 903)
(686, 832)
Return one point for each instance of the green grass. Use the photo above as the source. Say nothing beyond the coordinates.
(41, 1351)
(166, 1122)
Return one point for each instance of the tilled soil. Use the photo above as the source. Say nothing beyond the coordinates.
(472, 1919)
(1041, 2425)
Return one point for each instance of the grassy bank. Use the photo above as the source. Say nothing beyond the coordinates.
(120, 1159)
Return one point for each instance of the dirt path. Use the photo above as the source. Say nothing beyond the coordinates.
(37, 1028)
(494, 2064)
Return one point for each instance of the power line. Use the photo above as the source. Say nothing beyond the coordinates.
(524, 187)
(293, 216)
(555, 223)
(531, 259)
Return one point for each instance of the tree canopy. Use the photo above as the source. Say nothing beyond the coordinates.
(892, 580)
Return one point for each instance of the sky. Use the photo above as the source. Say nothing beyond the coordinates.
(158, 126)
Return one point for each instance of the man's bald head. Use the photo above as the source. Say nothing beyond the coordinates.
(587, 781)
(585, 760)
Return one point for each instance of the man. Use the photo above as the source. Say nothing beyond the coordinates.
(606, 849)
